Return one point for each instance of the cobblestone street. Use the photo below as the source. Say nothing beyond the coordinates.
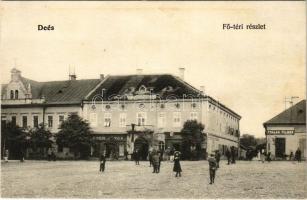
(123, 179)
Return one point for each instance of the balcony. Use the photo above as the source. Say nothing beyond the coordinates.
(140, 128)
(21, 101)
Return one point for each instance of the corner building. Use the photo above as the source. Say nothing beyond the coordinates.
(125, 112)
(287, 131)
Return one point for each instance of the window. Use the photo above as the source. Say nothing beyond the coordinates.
(35, 121)
(122, 119)
(176, 119)
(12, 94)
(16, 94)
(50, 121)
(141, 118)
(107, 119)
(61, 119)
(93, 119)
(14, 120)
(24, 121)
(161, 146)
(161, 120)
(193, 116)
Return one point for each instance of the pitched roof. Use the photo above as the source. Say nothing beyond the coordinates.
(293, 115)
(164, 85)
(70, 91)
(59, 92)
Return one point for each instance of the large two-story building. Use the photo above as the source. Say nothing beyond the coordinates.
(125, 112)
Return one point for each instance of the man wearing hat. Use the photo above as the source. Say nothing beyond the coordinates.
(212, 167)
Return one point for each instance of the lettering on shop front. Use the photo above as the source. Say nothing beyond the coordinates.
(117, 138)
(280, 132)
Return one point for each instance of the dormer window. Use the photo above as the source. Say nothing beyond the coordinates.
(142, 89)
(16, 94)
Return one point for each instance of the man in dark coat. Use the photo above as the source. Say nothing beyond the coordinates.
(228, 155)
(150, 154)
(137, 157)
(233, 155)
(177, 166)
(298, 155)
(212, 167)
(102, 163)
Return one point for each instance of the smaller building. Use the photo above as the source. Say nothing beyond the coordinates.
(286, 132)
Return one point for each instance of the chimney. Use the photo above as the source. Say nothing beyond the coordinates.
(101, 76)
(139, 71)
(15, 75)
(72, 75)
(202, 89)
(181, 72)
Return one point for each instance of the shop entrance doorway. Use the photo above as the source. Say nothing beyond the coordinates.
(141, 144)
(280, 147)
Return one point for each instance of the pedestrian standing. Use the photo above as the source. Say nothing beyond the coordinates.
(137, 157)
(233, 155)
(228, 155)
(155, 162)
(177, 166)
(6, 155)
(150, 158)
(298, 155)
(217, 157)
(160, 159)
(102, 163)
(212, 167)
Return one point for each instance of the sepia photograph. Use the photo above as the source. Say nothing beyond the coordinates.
(152, 100)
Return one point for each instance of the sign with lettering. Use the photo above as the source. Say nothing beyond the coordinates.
(280, 132)
(104, 138)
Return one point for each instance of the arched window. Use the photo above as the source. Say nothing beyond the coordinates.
(12, 94)
(16, 94)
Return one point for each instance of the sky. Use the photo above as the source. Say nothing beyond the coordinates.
(249, 71)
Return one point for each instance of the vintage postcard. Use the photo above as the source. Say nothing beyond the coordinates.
(150, 100)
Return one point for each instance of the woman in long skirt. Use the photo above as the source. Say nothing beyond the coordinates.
(177, 167)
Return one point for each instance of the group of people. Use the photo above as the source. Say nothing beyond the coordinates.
(297, 156)
(231, 155)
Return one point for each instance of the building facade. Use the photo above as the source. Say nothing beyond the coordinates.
(125, 112)
(286, 132)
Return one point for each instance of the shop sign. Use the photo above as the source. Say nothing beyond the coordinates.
(280, 132)
(116, 138)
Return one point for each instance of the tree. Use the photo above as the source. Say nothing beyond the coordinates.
(40, 139)
(14, 139)
(248, 140)
(75, 133)
(192, 138)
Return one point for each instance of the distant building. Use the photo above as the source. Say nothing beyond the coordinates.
(125, 112)
(287, 131)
